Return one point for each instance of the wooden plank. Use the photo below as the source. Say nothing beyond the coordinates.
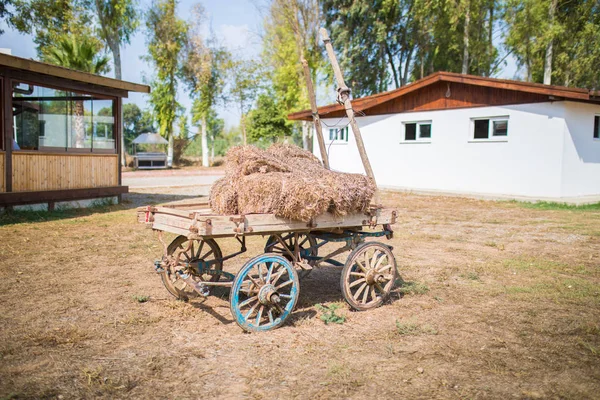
(54, 171)
(35, 197)
(7, 130)
(344, 93)
(66, 73)
(2, 158)
(315, 114)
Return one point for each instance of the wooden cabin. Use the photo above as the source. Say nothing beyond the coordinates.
(60, 136)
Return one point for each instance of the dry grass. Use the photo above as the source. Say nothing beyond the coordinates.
(289, 182)
(497, 300)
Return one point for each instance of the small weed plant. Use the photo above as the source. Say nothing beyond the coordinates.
(329, 315)
(140, 298)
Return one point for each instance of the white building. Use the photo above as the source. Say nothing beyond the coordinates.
(464, 134)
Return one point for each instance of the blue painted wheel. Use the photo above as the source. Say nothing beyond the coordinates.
(264, 293)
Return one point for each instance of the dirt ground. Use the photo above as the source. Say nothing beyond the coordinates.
(498, 300)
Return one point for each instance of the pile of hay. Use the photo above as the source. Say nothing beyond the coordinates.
(287, 181)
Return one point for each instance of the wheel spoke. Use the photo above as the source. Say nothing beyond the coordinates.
(357, 282)
(361, 266)
(359, 291)
(285, 296)
(250, 300)
(356, 274)
(284, 284)
(269, 272)
(200, 249)
(366, 259)
(365, 295)
(259, 315)
(373, 293)
(260, 273)
(250, 312)
(270, 315)
(374, 258)
(278, 276)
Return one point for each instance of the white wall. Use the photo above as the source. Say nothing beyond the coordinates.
(528, 163)
(581, 160)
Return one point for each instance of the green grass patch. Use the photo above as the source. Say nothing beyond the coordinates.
(550, 205)
(329, 315)
(11, 217)
(416, 288)
(140, 298)
(411, 328)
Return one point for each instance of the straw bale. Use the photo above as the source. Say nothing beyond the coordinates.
(289, 182)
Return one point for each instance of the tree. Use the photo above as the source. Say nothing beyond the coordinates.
(203, 70)
(291, 34)
(166, 36)
(132, 124)
(267, 122)
(82, 54)
(118, 21)
(246, 77)
(50, 20)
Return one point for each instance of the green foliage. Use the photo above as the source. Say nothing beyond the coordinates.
(549, 205)
(135, 122)
(118, 21)
(166, 37)
(141, 298)
(328, 314)
(411, 328)
(77, 52)
(574, 32)
(413, 288)
(50, 20)
(267, 122)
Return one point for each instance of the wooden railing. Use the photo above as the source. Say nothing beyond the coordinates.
(35, 171)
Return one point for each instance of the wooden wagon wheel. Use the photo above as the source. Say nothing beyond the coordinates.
(264, 293)
(368, 276)
(307, 246)
(182, 252)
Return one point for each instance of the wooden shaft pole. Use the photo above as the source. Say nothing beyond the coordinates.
(344, 93)
(315, 114)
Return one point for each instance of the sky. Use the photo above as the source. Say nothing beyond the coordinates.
(236, 22)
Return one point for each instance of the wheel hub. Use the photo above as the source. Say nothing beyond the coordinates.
(373, 277)
(268, 295)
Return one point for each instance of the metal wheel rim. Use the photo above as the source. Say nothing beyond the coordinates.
(246, 302)
(200, 250)
(368, 276)
(273, 246)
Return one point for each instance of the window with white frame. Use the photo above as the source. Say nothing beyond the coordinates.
(596, 126)
(338, 134)
(495, 128)
(419, 131)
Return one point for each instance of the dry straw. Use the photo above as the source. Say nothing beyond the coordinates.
(287, 181)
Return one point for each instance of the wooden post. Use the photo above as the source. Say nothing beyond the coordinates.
(344, 93)
(315, 114)
(7, 114)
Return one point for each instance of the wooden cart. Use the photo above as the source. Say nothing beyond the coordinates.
(266, 288)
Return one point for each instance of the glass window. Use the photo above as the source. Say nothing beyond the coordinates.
(425, 131)
(500, 128)
(417, 131)
(59, 119)
(597, 127)
(482, 127)
(338, 134)
(490, 128)
(410, 131)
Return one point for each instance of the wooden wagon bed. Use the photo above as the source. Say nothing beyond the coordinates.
(196, 220)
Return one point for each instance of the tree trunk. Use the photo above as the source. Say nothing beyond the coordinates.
(244, 140)
(549, 46)
(170, 150)
(212, 151)
(204, 137)
(79, 125)
(490, 40)
(306, 142)
(392, 65)
(465, 63)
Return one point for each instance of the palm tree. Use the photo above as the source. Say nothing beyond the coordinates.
(82, 54)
